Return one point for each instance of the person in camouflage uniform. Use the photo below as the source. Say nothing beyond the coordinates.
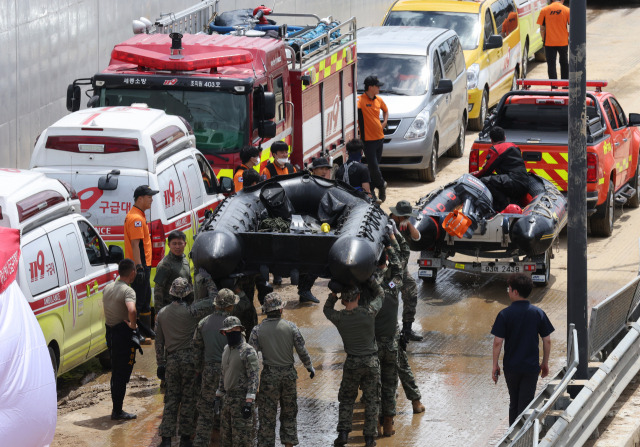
(386, 329)
(203, 286)
(174, 265)
(245, 310)
(238, 385)
(208, 344)
(356, 325)
(174, 335)
(277, 338)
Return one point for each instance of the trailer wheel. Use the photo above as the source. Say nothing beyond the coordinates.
(602, 221)
(546, 270)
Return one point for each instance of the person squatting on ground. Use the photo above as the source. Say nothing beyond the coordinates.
(372, 131)
(354, 172)
(137, 246)
(175, 327)
(174, 265)
(208, 344)
(554, 29)
(356, 325)
(386, 329)
(119, 301)
(237, 387)
(276, 338)
(510, 181)
(519, 326)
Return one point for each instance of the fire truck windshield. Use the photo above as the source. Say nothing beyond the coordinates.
(219, 119)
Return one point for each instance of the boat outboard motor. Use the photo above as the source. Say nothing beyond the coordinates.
(476, 204)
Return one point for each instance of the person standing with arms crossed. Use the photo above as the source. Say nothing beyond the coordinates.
(519, 326)
(554, 29)
(119, 301)
(276, 338)
(137, 246)
(372, 131)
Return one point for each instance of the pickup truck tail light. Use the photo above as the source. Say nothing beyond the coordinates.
(592, 167)
(157, 242)
(474, 160)
(424, 262)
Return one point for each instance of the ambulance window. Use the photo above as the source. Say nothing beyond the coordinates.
(170, 192)
(66, 249)
(208, 178)
(610, 116)
(75, 258)
(617, 109)
(437, 71)
(92, 244)
(504, 13)
(41, 271)
(190, 182)
(488, 25)
(279, 93)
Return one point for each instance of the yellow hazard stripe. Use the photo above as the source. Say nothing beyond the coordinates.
(331, 64)
(548, 158)
(601, 181)
(565, 155)
(225, 173)
(564, 175)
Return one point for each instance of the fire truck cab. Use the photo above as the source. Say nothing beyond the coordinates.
(239, 90)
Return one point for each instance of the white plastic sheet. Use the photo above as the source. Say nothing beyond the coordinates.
(28, 403)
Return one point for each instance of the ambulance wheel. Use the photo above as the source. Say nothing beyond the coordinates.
(457, 150)
(429, 173)
(478, 123)
(546, 271)
(514, 81)
(54, 361)
(105, 359)
(602, 221)
(430, 279)
(525, 61)
(634, 201)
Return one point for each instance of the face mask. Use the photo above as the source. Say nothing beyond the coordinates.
(282, 161)
(234, 338)
(256, 161)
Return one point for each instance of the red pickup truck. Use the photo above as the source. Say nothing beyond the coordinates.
(537, 122)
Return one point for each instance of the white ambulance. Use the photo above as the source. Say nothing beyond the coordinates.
(106, 153)
(64, 264)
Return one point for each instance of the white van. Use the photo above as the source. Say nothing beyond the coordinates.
(106, 153)
(64, 264)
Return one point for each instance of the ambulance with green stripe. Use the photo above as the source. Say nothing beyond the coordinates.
(535, 119)
(106, 153)
(239, 90)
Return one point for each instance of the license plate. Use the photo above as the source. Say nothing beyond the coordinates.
(500, 267)
(425, 273)
(537, 278)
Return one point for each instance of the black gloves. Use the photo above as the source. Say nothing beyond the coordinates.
(246, 410)
(335, 286)
(312, 372)
(160, 372)
(386, 240)
(216, 405)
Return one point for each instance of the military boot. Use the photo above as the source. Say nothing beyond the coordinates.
(380, 428)
(369, 441)
(417, 406)
(342, 439)
(185, 441)
(166, 442)
(307, 297)
(387, 426)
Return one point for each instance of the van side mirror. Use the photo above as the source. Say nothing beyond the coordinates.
(226, 185)
(634, 119)
(444, 86)
(109, 182)
(73, 98)
(266, 129)
(494, 41)
(115, 254)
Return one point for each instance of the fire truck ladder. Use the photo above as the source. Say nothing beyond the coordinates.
(192, 20)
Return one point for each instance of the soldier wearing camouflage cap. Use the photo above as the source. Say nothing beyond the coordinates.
(238, 384)
(277, 338)
(208, 345)
(175, 326)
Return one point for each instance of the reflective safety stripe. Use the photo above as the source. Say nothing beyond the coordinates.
(601, 181)
(225, 173)
(330, 65)
(549, 158)
(564, 175)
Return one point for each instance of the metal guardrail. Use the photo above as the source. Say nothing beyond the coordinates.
(345, 34)
(531, 416)
(610, 317)
(192, 20)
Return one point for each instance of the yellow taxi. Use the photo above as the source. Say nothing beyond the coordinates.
(490, 36)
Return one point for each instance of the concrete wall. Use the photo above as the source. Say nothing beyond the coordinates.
(46, 44)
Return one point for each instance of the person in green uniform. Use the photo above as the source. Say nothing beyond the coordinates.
(277, 338)
(174, 265)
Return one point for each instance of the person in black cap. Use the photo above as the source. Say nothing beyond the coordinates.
(137, 246)
(321, 167)
(250, 157)
(372, 131)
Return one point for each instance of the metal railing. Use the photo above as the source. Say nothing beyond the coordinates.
(343, 35)
(192, 20)
(609, 318)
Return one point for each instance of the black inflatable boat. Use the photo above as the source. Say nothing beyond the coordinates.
(291, 225)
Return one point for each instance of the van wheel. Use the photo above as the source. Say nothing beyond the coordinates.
(478, 123)
(546, 271)
(602, 221)
(105, 359)
(634, 202)
(429, 174)
(54, 361)
(457, 150)
(525, 61)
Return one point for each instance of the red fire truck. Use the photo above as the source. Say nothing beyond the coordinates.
(239, 89)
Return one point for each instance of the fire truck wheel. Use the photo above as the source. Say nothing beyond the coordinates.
(478, 123)
(429, 174)
(602, 221)
(634, 201)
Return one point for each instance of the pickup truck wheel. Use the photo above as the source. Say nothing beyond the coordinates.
(478, 123)
(54, 361)
(602, 220)
(546, 270)
(457, 150)
(429, 174)
(634, 201)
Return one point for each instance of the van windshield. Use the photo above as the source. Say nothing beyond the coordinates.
(219, 118)
(466, 25)
(400, 73)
